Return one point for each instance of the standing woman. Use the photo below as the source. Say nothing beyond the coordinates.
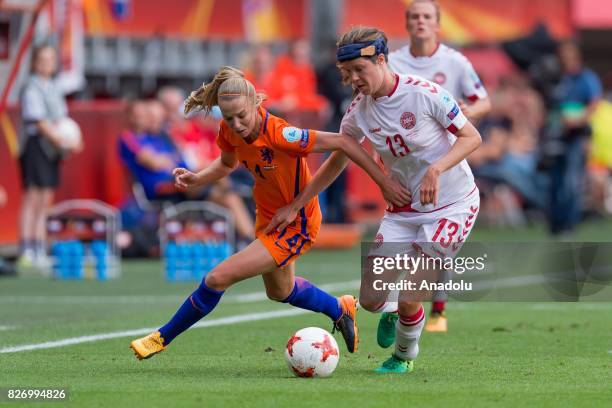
(42, 105)
(425, 56)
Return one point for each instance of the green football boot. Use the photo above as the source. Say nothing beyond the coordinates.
(395, 365)
(385, 335)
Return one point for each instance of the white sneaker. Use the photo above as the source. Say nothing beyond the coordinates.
(27, 259)
(43, 263)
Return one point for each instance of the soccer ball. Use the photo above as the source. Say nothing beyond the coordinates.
(69, 132)
(312, 352)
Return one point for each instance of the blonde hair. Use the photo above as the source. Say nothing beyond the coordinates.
(228, 83)
(432, 2)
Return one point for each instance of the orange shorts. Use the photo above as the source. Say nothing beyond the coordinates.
(286, 246)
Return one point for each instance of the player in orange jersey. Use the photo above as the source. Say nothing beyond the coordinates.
(274, 152)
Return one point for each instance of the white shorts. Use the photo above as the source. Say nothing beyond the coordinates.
(440, 233)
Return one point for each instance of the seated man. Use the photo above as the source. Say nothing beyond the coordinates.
(149, 153)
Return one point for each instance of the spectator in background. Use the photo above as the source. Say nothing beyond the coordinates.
(509, 152)
(41, 151)
(259, 70)
(296, 82)
(148, 152)
(575, 99)
(195, 137)
(600, 157)
(289, 81)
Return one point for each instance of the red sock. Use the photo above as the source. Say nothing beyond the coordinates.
(413, 319)
(438, 307)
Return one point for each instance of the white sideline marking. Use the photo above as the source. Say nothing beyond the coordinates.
(152, 299)
(5, 328)
(223, 321)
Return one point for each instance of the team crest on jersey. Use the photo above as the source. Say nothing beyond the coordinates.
(439, 78)
(267, 155)
(408, 120)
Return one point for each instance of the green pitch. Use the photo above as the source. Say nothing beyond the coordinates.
(508, 354)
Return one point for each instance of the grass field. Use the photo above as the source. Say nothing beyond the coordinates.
(507, 354)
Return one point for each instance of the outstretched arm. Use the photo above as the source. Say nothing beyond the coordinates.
(393, 192)
(344, 147)
(219, 168)
(326, 174)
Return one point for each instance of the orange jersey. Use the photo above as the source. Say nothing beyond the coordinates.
(278, 163)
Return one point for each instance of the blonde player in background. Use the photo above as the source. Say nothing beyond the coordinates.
(427, 57)
(407, 119)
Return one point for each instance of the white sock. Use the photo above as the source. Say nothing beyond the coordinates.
(390, 305)
(407, 333)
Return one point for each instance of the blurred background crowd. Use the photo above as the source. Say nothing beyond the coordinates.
(545, 158)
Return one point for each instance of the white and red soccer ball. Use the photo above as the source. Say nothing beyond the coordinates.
(69, 133)
(312, 352)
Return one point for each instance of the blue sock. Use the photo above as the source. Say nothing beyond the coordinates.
(201, 302)
(305, 295)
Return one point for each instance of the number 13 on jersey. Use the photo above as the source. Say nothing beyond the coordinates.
(397, 145)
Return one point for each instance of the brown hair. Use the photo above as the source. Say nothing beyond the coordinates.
(433, 2)
(228, 83)
(37, 50)
(362, 34)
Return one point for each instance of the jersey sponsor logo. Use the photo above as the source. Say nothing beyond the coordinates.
(439, 78)
(375, 130)
(453, 113)
(292, 134)
(408, 120)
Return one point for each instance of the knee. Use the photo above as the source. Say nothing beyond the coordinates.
(370, 304)
(217, 281)
(278, 294)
